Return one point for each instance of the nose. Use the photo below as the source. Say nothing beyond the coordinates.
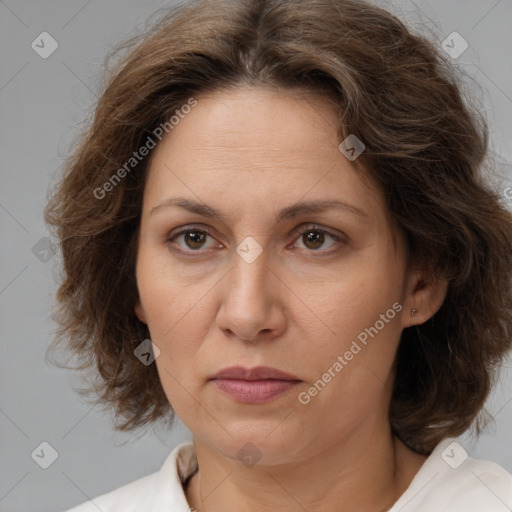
(252, 308)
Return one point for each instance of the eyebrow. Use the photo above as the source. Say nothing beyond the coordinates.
(295, 210)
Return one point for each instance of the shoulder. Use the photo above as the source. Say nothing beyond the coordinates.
(161, 491)
(476, 485)
(451, 480)
(123, 498)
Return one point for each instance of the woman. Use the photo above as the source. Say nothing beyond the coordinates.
(277, 229)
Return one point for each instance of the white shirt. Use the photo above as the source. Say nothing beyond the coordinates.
(448, 481)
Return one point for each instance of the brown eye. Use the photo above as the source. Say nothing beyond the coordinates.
(313, 239)
(194, 239)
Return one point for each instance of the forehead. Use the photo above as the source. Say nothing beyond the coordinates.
(255, 123)
(259, 142)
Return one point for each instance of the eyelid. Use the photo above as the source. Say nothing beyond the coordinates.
(185, 229)
(299, 230)
(340, 238)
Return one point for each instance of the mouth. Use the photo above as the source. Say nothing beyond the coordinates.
(256, 385)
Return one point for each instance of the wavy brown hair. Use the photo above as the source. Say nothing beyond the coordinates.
(426, 151)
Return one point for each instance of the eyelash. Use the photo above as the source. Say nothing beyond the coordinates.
(299, 232)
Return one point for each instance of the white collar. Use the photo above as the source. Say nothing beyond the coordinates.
(449, 475)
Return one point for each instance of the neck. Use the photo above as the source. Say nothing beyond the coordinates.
(366, 471)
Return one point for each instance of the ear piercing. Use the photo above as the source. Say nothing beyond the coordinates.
(413, 312)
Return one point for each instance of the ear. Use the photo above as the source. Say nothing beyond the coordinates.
(139, 312)
(425, 294)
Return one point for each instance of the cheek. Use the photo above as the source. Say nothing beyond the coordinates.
(165, 300)
(363, 313)
(172, 323)
(357, 302)
(179, 341)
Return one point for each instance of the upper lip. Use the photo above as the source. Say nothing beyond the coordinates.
(256, 373)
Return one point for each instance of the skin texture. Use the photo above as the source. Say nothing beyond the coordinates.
(249, 152)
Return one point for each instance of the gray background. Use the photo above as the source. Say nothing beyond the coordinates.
(43, 103)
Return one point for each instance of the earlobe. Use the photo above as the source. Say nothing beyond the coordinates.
(424, 298)
(139, 312)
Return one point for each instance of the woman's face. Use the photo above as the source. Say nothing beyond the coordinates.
(245, 276)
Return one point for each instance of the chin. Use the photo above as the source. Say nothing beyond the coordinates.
(252, 444)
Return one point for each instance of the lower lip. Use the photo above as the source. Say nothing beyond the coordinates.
(254, 391)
